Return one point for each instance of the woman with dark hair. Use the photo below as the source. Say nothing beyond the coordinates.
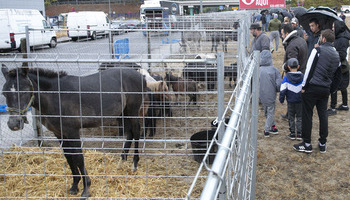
(341, 44)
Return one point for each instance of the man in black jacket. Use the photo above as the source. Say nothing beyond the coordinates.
(294, 46)
(320, 68)
(313, 36)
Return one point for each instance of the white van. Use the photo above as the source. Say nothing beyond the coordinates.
(88, 24)
(13, 23)
(345, 8)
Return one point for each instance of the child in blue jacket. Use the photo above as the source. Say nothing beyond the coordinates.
(291, 90)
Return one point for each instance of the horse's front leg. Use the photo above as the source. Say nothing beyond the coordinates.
(177, 98)
(226, 41)
(73, 153)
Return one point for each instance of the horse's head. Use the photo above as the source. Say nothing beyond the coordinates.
(18, 91)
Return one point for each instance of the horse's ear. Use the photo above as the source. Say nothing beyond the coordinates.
(5, 71)
(24, 70)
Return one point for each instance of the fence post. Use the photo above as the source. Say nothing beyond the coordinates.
(221, 108)
(255, 114)
(110, 38)
(24, 49)
(27, 41)
(148, 43)
(220, 87)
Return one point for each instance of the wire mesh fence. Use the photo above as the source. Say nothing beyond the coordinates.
(86, 103)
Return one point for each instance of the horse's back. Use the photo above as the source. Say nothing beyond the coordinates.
(113, 79)
(105, 93)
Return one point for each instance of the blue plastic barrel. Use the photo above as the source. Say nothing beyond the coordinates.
(121, 48)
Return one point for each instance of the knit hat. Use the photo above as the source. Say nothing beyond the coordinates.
(275, 15)
(294, 21)
(293, 63)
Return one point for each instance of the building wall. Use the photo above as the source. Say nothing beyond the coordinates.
(55, 10)
(24, 4)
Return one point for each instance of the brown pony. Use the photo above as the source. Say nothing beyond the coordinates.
(182, 85)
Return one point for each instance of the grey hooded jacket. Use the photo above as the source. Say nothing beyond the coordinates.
(269, 78)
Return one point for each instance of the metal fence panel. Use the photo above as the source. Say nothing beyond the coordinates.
(35, 168)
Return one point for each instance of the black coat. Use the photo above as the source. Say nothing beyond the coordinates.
(341, 44)
(295, 47)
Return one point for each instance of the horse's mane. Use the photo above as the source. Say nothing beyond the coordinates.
(48, 73)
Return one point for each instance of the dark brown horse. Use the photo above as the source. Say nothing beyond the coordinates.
(68, 103)
(183, 85)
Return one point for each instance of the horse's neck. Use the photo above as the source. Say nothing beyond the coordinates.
(176, 79)
(173, 78)
(41, 84)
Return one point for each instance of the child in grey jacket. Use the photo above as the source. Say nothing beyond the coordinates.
(270, 83)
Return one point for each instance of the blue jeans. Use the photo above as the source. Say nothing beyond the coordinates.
(266, 27)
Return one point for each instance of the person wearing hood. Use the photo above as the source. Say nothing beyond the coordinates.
(270, 83)
(274, 27)
(294, 46)
(341, 44)
(291, 90)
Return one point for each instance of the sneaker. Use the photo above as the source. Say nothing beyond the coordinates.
(301, 147)
(299, 136)
(322, 147)
(291, 136)
(272, 50)
(266, 134)
(274, 130)
(342, 107)
(331, 111)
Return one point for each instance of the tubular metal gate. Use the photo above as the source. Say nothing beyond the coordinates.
(34, 167)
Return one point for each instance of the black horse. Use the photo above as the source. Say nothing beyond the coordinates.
(216, 38)
(68, 103)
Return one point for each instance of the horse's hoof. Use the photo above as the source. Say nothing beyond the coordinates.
(73, 191)
(134, 169)
(85, 195)
(124, 157)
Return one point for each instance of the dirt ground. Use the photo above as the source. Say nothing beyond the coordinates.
(283, 173)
